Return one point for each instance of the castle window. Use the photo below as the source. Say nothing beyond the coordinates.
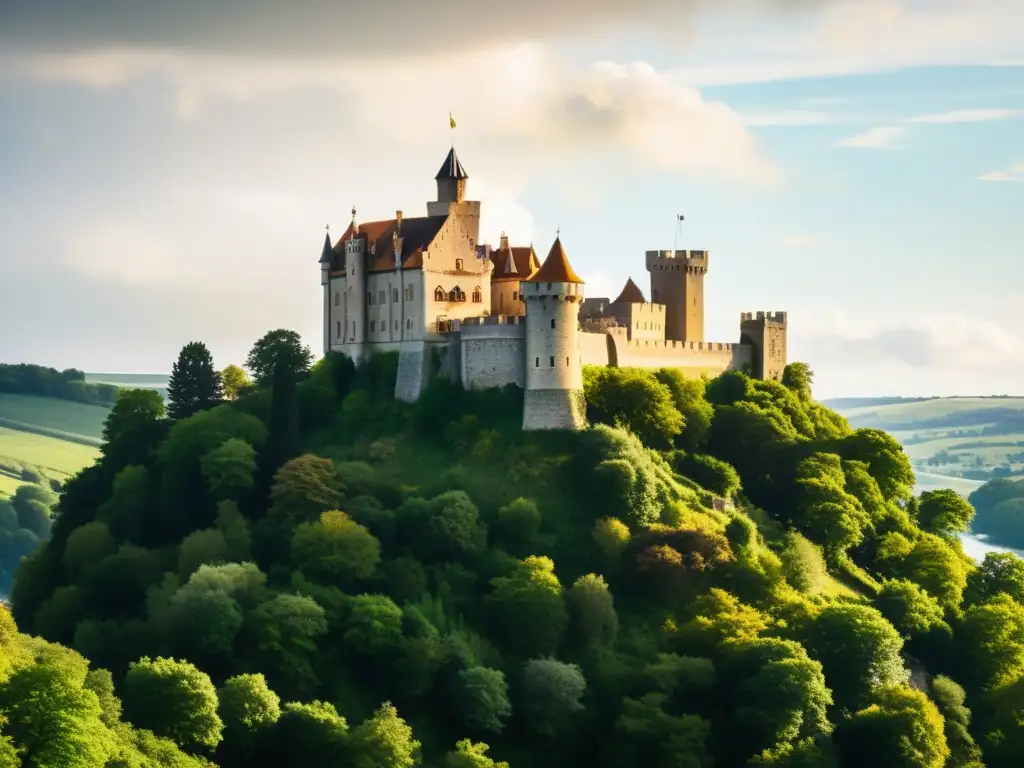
(567, 362)
(478, 295)
(552, 322)
(408, 292)
(381, 297)
(408, 323)
(552, 361)
(439, 294)
(394, 295)
(337, 298)
(337, 328)
(536, 363)
(457, 294)
(373, 326)
(458, 265)
(369, 297)
(515, 295)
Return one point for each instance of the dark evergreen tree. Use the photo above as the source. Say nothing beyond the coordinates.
(195, 384)
(280, 346)
(282, 430)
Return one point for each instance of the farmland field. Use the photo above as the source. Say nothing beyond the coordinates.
(58, 457)
(53, 414)
(157, 381)
(972, 438)
(8, 485)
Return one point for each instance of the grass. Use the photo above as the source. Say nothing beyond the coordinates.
(47, 453)
(8, 485)
(54, 414)
(931, 409)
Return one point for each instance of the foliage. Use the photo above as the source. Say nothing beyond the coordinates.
(195, 384)
(234, 382)
(719, 572)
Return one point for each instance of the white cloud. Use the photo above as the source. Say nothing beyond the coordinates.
(786, 117)
(880, 137)
(521, 97)
(967, 116)
(1013, 173)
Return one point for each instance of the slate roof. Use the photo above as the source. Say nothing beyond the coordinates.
(417, 235)
(452, 168)
(514, 263)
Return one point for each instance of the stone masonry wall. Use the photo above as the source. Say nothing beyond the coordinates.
(493, 355)
(553, 409)
(695, 358)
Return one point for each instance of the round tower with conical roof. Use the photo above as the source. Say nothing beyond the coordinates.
(554, 369)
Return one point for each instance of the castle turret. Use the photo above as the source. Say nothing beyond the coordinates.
(451, 180)
(326, 256)
(766, 333)
(677, 281)
(355, 273)
(554, 372)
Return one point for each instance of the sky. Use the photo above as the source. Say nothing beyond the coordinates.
(167, 169)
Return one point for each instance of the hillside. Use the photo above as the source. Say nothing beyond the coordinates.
(971, 437)
(711, 576)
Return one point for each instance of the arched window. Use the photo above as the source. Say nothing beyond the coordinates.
(552, 322)
(439, 294)
(457, 294)
(373, 326)
(478, 295)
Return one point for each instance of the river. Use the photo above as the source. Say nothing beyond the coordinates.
(975, 546)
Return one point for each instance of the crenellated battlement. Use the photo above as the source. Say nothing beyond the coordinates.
(494, 320)
(654, 256)
(682, 346)
(772, 318)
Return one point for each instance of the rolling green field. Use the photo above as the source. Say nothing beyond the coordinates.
(58, 457)
(8, 485)
(157, 381)
(968, 437)
(50, 413)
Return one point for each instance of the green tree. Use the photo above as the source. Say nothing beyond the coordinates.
(304, 488)
(635, 400)
(101, 682)
(335, 549)
(201, 548)
(552, 691)
(33, 516)
(944, 512)
(651, 736)
(592, 611)
(885, 458)
(173, 699)
(858, 649)
(234, 381)
(194, 384)
(480, 698)
(798, 377)
(688, 398)
(998, 572)
(229, 468)
(528, 609)
(901, 728)
(908, 607)
(52, 716)
(384, 741)
(519, 524)
(287, 627)
(248, 709)
(310, 735)
(87, 546)
(468, 754)
(950, 699)
(991, 643)
(276, 347)
(132, 427)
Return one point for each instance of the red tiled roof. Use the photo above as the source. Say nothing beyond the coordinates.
(417, 235)
(631, 294)
(556, 268)
(515, 263)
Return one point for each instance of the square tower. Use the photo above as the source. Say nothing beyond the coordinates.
(677, 281)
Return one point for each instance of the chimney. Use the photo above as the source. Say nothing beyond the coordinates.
(503, 246)
(398, 220)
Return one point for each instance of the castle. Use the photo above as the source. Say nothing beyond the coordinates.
(488, 317)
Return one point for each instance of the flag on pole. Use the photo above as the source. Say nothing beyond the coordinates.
(680, 217)
(451, 121)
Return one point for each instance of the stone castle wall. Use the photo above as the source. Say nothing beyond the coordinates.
(493, 354)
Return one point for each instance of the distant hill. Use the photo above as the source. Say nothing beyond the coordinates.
(976, 438)
(157, 381)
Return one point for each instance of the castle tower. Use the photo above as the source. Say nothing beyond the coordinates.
(451, 180)
(766, 333)
(355, 294)
(554, 369)
(677, 281)
(326, 257)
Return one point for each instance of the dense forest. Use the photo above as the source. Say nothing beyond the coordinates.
(1000, 512)
(25, 379)
(716, 573)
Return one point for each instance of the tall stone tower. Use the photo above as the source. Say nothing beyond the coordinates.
(355, 293)
(677, 281)
(451, 197)
(766, 332)
(554, 369)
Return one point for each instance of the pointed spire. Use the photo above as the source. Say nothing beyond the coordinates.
(510, 262)
(325, 254)
(631, 294)
(556, 267)
(452, 168)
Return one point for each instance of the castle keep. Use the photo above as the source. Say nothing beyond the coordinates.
(487, 316)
